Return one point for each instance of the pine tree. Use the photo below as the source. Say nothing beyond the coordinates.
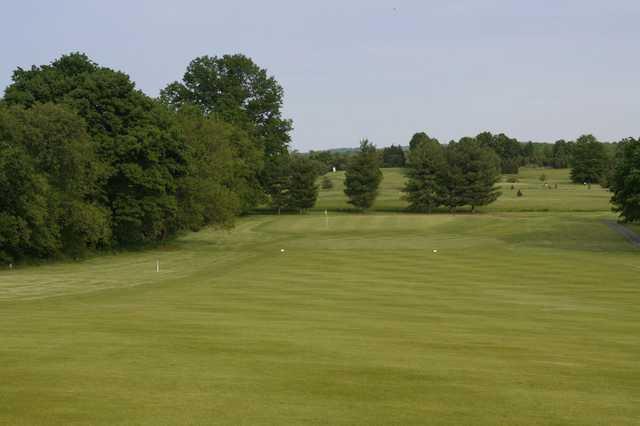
(277, 182)
(303, 191)
(363, 177)
(424, 190)
(471, 175)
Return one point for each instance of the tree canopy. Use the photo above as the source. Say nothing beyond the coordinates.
(393, 156)
(589, 160)
(102, 164)
(427, 163)
(625, 183)
(234, 89)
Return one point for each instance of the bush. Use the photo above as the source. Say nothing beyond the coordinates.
(520, 194)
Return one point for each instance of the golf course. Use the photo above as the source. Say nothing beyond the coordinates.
(525, 312)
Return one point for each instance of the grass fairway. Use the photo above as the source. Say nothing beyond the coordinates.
(519, 318)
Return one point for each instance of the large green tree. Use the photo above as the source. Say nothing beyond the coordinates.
(26, 229)
(589, 160)
(217, 184)
(363, 176)
(472, 173)
(234, 89)
(52, 144)
(418, 138)
(292, 183)
(509, 150)
(426, 164)
(135, 139)
(625, 182)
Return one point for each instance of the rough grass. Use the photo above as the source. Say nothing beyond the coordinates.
(519, 318)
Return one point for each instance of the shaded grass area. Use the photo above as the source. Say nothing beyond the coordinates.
(519, 318)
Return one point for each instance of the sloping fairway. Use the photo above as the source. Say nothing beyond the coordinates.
(519, 318)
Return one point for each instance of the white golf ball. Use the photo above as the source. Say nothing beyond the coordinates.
(435, 251)
(281, 250)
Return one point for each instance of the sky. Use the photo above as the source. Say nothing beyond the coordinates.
(536, 70)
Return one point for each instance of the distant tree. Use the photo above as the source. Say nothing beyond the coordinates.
(562, 154)
(363, 177)
(303, 191)
(471, 175)
(418, 138)
(543, 178)
(528, 153)
(427, 163)
(509, 150)
(393, 156)
(625, 182)
(589, 160)
(519, 193)
(292, 183)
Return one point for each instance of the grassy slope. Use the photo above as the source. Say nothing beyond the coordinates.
(520, 318)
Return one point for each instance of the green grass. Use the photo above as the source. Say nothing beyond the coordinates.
(519, 318)
(536, 197)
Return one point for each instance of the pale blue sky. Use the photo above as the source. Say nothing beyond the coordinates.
(539, 70)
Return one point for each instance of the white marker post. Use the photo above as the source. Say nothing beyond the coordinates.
(157, 266)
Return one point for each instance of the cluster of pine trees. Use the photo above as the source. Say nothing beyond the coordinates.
(463, 173)
(88, 162)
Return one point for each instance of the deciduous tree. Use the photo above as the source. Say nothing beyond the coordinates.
(625, 182)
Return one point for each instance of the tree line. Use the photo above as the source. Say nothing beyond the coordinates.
(513, 154)
(89, 162)
(463, 173)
